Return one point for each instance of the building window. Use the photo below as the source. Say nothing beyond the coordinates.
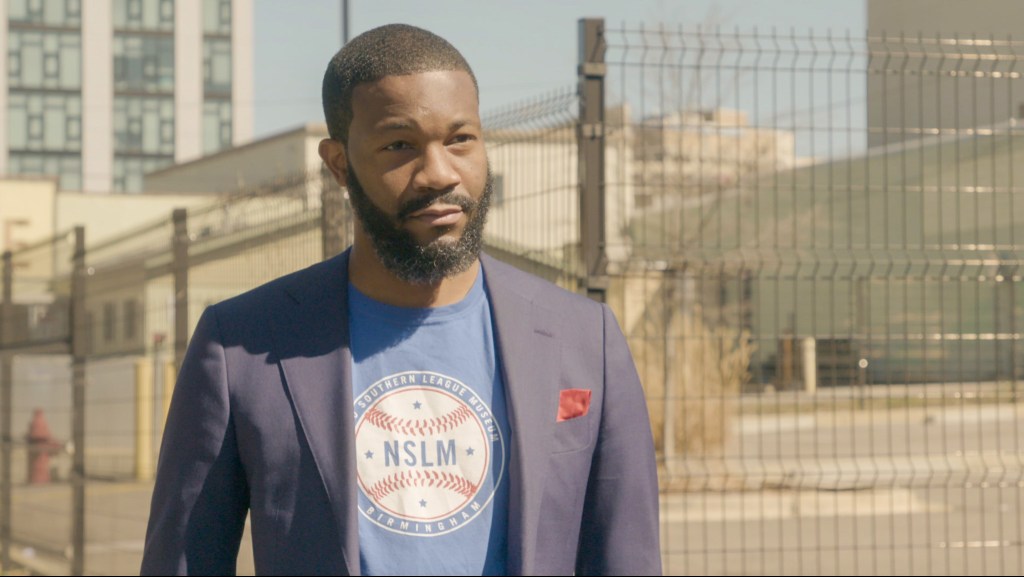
(129, 171)
(144, 15)
(217, 17)
(109, 313)
(144, 125)
(35, 10)
(143, 63)
(130, 318)
(135, 129)
(149, 67)
(73, 127)
(13, 66)
(49, 12)
(217, 66)
(167, 132)
(41, 122)
(35, 128)
(225, 14)
(167, 12)
(68, 167)
(50, 60)
(51, 66)
(217, 125)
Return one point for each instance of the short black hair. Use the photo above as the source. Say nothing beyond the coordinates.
(390, 50)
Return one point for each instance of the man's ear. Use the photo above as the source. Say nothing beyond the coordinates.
(333, 153)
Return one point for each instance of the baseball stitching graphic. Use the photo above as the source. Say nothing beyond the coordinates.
(418, 427)
(425, 448)
(399, 481)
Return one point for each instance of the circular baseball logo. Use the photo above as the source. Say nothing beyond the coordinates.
(426, 447)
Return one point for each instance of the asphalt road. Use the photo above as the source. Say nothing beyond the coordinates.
(932, 489)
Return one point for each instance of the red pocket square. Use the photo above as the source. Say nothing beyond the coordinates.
(573, 403)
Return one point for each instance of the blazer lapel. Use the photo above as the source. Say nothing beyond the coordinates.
(312, 342)
(530, 357)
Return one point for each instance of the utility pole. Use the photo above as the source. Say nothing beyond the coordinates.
(591, 156)
(79, 347)
(6, 413)
(344, 22)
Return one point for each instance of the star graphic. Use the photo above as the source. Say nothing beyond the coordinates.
(423, 503)
(369, 454)
(417, 405)
(469, 451)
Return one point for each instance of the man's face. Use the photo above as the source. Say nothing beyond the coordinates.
(417, 173)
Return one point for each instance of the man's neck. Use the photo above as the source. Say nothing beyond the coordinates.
(374, 280)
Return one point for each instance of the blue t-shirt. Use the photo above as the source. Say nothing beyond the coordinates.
(432, 439)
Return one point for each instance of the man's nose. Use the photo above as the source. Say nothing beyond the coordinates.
(437, 171)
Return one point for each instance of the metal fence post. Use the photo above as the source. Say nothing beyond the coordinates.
(79, 347)
(6, 412)
(332, 212)
(180, 243)
(590, 138)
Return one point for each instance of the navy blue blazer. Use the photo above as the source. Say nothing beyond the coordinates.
(261, 422)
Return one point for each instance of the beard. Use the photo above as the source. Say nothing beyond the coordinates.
(400, 252)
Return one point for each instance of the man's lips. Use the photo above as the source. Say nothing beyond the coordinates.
(443, 215)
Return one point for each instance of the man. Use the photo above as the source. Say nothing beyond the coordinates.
(410, 406)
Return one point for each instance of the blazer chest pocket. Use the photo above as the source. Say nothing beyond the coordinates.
(573, 434)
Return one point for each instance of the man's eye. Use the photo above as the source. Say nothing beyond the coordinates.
(400, 145)
(460, 138)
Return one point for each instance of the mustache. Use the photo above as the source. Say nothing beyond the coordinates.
(453, 198)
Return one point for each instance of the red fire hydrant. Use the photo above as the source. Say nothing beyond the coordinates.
(41, 445)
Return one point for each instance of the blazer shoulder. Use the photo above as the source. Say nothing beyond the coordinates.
(539, 291)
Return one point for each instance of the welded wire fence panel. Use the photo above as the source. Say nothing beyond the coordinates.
(247, 240)
(40, 467)
(125, 326)
(40, 290)
(233, 245)
(822, 294)
(36, 348)
(39, 327)
(128, 315)
(812, 245)
(534, 217)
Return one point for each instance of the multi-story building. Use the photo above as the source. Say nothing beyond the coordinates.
(100, 92)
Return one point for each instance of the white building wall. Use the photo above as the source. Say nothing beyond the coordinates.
(188, 80)
(4, 147)
(241, 71)
(97, 96)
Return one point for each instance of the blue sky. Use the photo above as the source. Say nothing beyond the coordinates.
(517, 49)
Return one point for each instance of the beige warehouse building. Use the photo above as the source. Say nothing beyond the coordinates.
(939, 66)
